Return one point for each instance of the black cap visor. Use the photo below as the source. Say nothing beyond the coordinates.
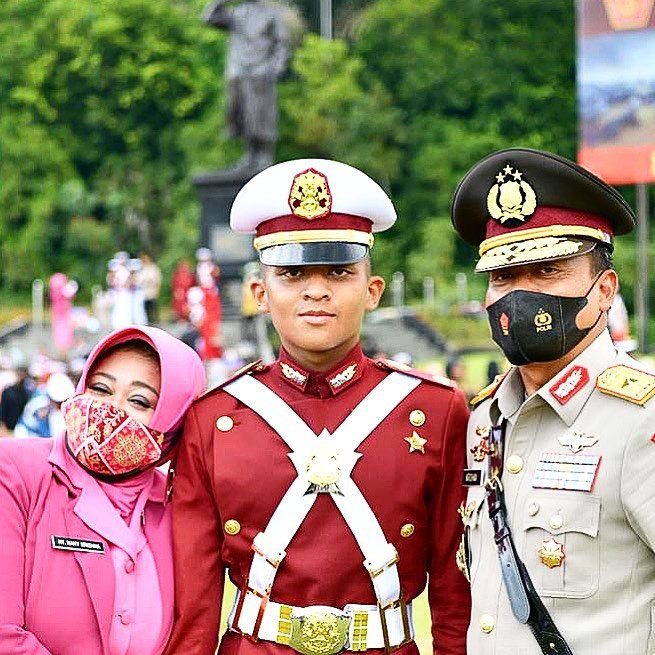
(313, 254)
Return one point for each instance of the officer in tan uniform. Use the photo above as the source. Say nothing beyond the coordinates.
(561, 449)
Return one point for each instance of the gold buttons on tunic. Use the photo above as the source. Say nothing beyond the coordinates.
(232, 527)
(514, 464)
(487, 623)
(417, 418)
(407, 530)
(533, 509)
(556, 522)
(224, 423)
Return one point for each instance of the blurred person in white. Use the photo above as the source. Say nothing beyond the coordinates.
(149, 278)
(42, 415)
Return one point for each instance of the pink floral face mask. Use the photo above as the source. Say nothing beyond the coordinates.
(106, 441)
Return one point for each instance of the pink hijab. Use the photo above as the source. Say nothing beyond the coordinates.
(182, 373)
(182, 381)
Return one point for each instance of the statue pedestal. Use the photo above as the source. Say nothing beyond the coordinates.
(217, 190)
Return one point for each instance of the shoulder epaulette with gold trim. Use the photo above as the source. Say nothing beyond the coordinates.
(390, 365)
(628, 383)
(255, 366)
(487, 391)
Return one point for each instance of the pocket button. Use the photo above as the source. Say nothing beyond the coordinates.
(556, 521)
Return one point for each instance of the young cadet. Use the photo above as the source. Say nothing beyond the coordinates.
(560, 450)
(327, 484)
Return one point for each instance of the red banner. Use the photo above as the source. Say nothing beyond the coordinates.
(616, 89)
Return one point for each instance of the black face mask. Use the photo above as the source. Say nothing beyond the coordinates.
(537, 327)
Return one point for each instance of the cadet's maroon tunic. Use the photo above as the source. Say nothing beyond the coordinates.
(241, 474)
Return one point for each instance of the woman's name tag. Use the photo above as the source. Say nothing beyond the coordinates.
(80, 545)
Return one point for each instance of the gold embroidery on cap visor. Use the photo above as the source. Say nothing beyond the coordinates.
(534, 245)
(313, 236)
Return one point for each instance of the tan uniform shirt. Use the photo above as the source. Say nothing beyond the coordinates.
(601, 595)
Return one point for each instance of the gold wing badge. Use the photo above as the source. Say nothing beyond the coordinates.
(511, 199)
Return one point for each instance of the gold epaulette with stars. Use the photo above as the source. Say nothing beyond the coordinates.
(628, 383)
(487, 392)
(390, 365)
(256, 366)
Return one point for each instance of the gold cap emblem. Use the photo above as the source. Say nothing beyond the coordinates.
(310, 195)
(511, 198)
(551, 553)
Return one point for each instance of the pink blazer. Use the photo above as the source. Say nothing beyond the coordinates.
(53, 601)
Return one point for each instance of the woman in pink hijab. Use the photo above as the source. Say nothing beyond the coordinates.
(85, 538)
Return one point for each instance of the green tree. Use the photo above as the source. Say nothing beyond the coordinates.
(109, 86)
(331, 108)
(468, 78)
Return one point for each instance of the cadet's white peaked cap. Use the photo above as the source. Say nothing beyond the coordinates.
(310, 212)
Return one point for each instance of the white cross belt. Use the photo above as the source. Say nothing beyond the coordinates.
(270, 545)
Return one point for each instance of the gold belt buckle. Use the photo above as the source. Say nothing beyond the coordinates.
(319, 633)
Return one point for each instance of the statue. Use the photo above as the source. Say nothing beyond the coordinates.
(257, 56)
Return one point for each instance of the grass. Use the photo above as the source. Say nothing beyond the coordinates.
(421, 618)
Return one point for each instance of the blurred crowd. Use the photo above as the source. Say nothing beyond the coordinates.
(31, 394)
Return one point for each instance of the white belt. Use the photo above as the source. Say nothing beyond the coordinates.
(324, 630)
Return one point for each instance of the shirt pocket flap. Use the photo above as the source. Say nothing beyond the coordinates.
(559, 513)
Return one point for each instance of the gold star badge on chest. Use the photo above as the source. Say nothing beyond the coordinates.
(551, 553)
(416, 442)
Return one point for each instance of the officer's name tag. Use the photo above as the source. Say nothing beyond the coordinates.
(564, 471)
(472, 477)
(80, 545)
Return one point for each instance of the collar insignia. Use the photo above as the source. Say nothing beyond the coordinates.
(293, 375)
(345, 375)
(569, 384)
(575, 441)
(416, 442)
(310, 195)
(511, 200)
(627, 383)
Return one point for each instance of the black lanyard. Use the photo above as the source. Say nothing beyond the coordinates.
(527, 606)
